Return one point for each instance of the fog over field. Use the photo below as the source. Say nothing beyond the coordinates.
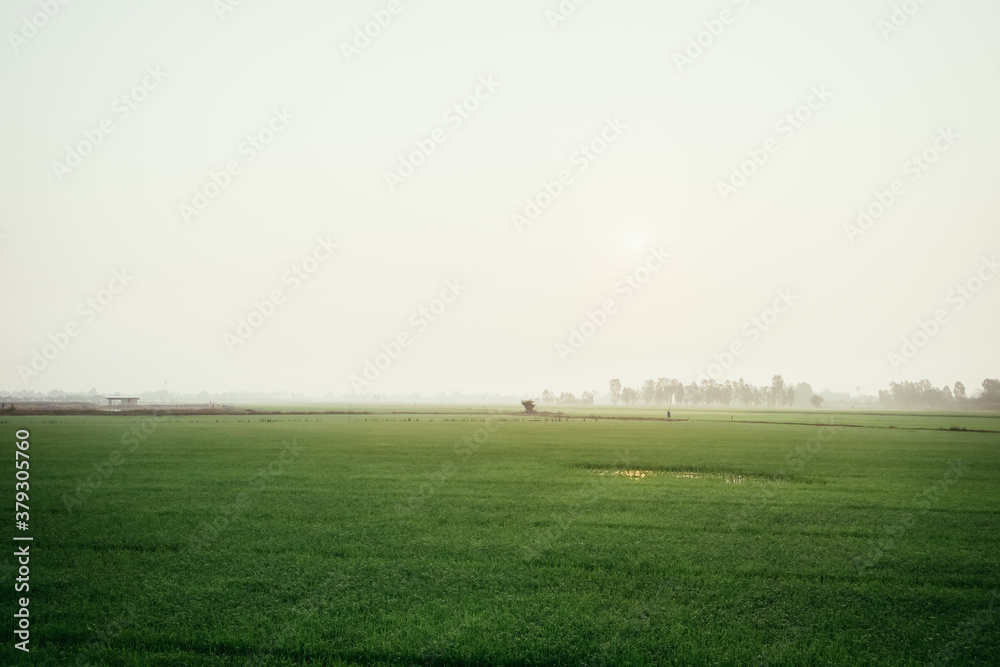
(392, 197)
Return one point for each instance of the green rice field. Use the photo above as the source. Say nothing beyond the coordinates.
(456, 535)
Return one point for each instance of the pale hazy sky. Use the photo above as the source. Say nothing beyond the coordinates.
(338, 122)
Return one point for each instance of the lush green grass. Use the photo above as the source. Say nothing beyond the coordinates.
(387, 540)
(914, 419)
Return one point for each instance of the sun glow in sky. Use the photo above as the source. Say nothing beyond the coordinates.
(264, 200)
(635, 241)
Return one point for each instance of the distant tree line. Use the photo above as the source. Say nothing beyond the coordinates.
(665, 391)
(924, 395)
(905, 395)
(565, 398)
(55, 395)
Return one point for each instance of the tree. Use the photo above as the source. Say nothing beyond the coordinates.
(615, 389)
(991, 391)
(648, 392)
(529, 406)
(548, 397)
(567, 398)
(744, 392)
(630, 396)
(662, 392)
(932, 396)
(803, 392)
(816, 400)
(676, 391)
(587, 398)
(710, 391)
(726, 393)
(777, 390)
(905, 394)
(959, 391)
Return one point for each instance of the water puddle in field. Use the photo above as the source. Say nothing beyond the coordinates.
(636, 475)
(631, 474)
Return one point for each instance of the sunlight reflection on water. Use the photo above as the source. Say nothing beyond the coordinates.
(636, 475)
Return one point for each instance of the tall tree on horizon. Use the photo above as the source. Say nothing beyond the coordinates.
(615, 389)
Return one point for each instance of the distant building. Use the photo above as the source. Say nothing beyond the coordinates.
(123, 400)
